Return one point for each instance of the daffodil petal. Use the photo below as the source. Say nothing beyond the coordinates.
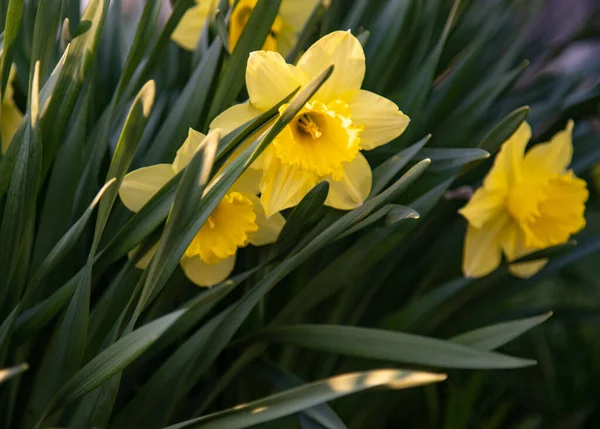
(11, 118)
(283, 186)
(234, 117)
(354, 188)
(508, 163)
(553, 157)
(344, 51)
(189, 28)
(483, 247)
(381, 118)
(514, 248)
(140, 185)
(249, 182)
(483, 206)
(268, 229)
(187, 150)
(207, 274)
(269, 79)
(295, 13)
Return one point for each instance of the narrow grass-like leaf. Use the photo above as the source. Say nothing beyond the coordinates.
(444, 159)
(501, 132)
(70, 81)
(187, 110)
(64, 245)
(145, 31)
(8, 161)
(385, 172)
(307, 396)
(11, 31)
(388, 345)
(126, 147)
(548, 253)
(253, 36)
(112, 360)
(8, 373)
(302, 215)
(495, 336)
(64, 353)
(46, 25)
(284, 380)
(20, 206)
(175, 371)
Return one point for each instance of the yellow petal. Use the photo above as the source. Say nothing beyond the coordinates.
(269, 79)
(381, 118)
(11, 118)
(190, 26)
(344, 51)
(483, 247)
(508, 162)
(249, 182)
(483, 206)
(553, 157)
(207, 274)
(144, 261)
(268, 229)
(283, 186)
(140, 185)
(354, 188)
(187, 150)
(514, 247)
(295, 13)
(234, 117)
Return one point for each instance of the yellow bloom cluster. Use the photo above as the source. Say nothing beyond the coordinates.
(283, 36)
(323, 142)
(527, 202)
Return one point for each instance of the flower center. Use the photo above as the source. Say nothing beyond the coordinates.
(239, 18)
(225, 230)
(307, 124)
(320, 139)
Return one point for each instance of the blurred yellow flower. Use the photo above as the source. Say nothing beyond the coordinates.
(290, 20)
(238, 219)
(323, 142)
(11, 115)
(528, 202)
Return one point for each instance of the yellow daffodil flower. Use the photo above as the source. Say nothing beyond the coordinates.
(11, 115)
(286, 27)
(528, 202)
(324, 141)
(238, 219)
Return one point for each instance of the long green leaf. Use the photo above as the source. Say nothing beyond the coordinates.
(11, 32)
(307, 396)
(495, 336)
(388, 345)
(70, 81)
(112, 360)
(253, 36)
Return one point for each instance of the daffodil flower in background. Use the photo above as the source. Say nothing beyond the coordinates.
(11, 115)
(288, 23)
(238, 219)
(528, 202)
(324, 141)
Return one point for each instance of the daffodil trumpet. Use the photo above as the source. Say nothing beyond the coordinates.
(529, 201)
(325, 139)
(238, 219)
